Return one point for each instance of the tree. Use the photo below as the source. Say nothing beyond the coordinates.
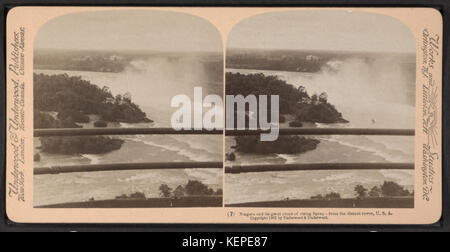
(127, 97)
(375, 192)
(179, 192)
(323, 97)
(231, 156)
(302, 89)
(314, 98)
(219, 192)
(194, 187)
(295, 124)
(100, 124)
(165, 191)
(106, 89)
(317, 197)
(137, 195)
(333, 196)
(361, 191)
(392, 189)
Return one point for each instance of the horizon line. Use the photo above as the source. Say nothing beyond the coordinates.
(125, 50)
(318, 50)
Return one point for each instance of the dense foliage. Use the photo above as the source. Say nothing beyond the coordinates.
(295, 124)
(44, 120)
(392, 189)
(72, 99)
(71, 145)
(329, 196)
(283, 145)
(259, 84)
(192, 188)
(80, 144)
(387, 189)
(73, 115)
(133, 196)
(320, 112)
(100, 124)
(292, 100)
(75, 98)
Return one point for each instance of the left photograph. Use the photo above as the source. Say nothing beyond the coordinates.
(107, 88)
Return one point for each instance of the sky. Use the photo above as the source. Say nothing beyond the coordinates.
(323, 30)
(170, 31)
(129, 30)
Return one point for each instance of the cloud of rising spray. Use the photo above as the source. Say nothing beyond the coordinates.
(385, 78)
(154, 81)
(380, 89)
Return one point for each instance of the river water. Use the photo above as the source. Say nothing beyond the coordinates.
(152, 84)
(370, 94)
(379, 93)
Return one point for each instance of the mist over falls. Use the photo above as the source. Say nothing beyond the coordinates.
(153, 82)
(384, 78)
(376, 91)
(370, 90)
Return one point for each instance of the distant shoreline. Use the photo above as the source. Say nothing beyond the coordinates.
(193, 201)
(36, 68)
(391, 202)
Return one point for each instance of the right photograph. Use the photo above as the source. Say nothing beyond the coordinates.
(345, 82)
